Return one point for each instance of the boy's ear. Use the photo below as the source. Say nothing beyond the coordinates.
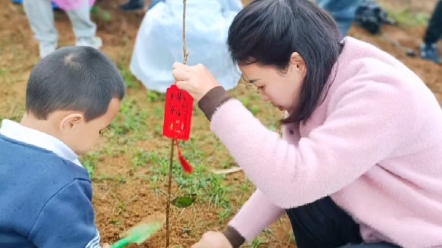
(71, 121)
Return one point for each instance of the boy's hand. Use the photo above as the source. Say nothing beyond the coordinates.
(106, 246)
(213, 240)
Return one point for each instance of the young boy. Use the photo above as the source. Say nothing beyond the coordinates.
(41, 19)
(72, 95)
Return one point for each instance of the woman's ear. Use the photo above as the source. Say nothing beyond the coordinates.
(71, 121)
(297, 62)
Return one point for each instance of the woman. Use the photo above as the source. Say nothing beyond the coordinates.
(360, 161)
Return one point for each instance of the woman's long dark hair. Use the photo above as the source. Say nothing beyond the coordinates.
(269, 31)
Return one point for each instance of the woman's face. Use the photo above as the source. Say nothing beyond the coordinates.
(281, 88)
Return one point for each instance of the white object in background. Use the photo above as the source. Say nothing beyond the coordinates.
(159, 41)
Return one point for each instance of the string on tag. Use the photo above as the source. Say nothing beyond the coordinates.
(186, 166)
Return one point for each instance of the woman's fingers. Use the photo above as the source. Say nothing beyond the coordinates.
(196, 79)
(181, 74)
(177, 65)
(183, 85)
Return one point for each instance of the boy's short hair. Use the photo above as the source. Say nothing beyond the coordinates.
(75, 78)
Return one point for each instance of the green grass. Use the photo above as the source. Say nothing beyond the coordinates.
(99, 13)
(90, 163)
(406, 17)
(3, 73)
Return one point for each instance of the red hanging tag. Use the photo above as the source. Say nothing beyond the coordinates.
(177, 119)
(177, 114)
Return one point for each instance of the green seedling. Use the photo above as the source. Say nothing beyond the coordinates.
(139, 234)
(183, 201)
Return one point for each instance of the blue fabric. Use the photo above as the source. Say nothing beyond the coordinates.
(154, 2)
(323, 224)
(46, 201)
(342, 11)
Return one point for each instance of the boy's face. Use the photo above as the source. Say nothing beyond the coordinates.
(81, 136)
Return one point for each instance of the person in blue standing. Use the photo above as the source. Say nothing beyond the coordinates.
(342, 11)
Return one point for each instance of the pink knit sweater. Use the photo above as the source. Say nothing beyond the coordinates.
(374, 145)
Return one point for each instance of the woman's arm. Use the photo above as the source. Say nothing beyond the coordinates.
(366, 123)
(257, 214)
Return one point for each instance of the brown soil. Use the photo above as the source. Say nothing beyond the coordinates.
(123, 196)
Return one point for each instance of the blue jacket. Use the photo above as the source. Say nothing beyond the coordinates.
(45, 201)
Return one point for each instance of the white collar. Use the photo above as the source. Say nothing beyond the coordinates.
(15, 131)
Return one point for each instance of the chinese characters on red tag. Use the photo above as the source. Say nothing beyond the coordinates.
(178, 114)
(178, 119)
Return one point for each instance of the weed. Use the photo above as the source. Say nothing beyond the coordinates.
(153, 96)
(115, 222)
(291, 237)
(224, 214)
(257, 242)
(140, 158)
(89, 162)
(130, 122)
(3, 73)
(122, 207)
(406, 17)
(100, 13)
(129, 79)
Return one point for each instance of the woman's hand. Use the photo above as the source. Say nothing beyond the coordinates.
(213, 240)
(196, 80)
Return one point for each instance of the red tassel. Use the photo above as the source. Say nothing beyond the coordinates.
(186, 166)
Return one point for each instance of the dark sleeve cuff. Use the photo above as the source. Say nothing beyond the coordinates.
(212, 100)
(235, 239)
